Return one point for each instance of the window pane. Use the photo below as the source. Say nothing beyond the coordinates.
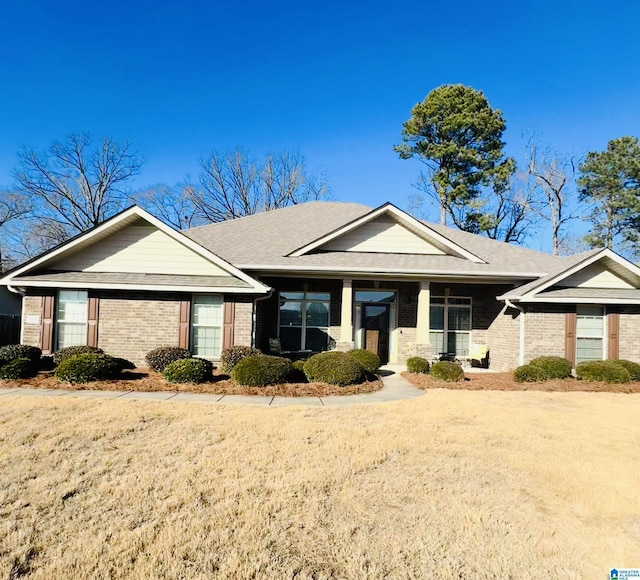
(72, 306)
(317, 339)
(588, 325)
(437, 300)
(458, 342)
(317, 296)
(207, 341)
(70, 334)
(291, 314)
(588, 349)
(290, 337)
(459, 318)
(292, 295)
(437, 342)
(375, 296)
(436, 317)
(207, 314)
(317, 314)
(460, 301)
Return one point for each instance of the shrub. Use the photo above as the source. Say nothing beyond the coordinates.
(553, 367)
(159, 358)
(11, 352)
(370, 361)
(260, 370)
(447, 371)
(231, 356)
(605, 371)
(85, 367)
(417, 364)
(529, 374)
(334, 367)
(297, 373)
(18, 368)
(632, 368)
(188, 370)
(68, 351)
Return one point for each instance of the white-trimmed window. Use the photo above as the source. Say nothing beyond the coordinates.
(71, 318)
(450, 325)
(304, 320)
(589, 333)
(206, 326)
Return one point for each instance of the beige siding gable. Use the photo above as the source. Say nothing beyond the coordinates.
(382, 234)
(595, 276)
(138, 248)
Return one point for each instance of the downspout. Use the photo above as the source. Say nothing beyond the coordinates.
(521, 342)
(254, 317)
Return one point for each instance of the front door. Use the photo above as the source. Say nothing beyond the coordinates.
(375, 326)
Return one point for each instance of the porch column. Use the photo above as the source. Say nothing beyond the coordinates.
(422, 347)
(346, 317)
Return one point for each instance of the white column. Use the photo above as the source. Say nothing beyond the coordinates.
(422, 326)
(346, 320)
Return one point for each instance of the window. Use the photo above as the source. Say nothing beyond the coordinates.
(304, 320)
(450, 325)
(206, 326)
(589, 333)
(71, 317)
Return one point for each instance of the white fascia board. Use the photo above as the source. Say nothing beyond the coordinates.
(408, 271)
(575, 300)
(139, 212)
(148, 287)
(392, 209)
(605, 252)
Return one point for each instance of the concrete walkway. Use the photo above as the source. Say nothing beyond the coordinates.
(395, 388)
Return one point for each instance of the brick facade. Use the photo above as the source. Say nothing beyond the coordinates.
(629, 333)
(544, 330)
(31, 320)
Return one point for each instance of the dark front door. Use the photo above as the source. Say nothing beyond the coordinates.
(375, 324)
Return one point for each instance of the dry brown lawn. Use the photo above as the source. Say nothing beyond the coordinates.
(143, 380)
(454, 484)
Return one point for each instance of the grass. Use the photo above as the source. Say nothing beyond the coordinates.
(505, 382)
(148, 381)
(454, 484)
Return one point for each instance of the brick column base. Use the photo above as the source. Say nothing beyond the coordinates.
(423, 350)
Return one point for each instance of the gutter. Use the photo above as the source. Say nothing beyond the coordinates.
(521, 341)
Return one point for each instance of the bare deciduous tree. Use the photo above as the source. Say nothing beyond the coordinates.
(233, 185)
(172, 204)
(555, 177)
(13, 206)
(75, 185)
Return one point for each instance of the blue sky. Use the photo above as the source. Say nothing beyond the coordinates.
(333, 79)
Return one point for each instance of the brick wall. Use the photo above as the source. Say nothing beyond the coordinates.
(630, 333)
(130, 327)
(503, 338)
(544, 331)
(243, 322)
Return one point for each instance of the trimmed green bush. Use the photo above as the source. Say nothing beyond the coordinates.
(83, 368)
(68, 351)
(529, 374)
(633, 368)
(260, 370)
(11, 352)
(18, 368)
(605, 371)
(370, 361)
(159, 358)
(447, 371)
(231, 356)
(334, 367)
(553, 367)
(188, 370)
(417, 364)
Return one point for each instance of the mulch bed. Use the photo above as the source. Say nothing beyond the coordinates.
(144, 380)
(505, 382)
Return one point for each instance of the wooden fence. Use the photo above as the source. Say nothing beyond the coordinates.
(9, 329)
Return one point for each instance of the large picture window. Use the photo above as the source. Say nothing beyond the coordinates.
(71, 318)
(450, 325)
(304, 320)
(206, 326)
(589, 333)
